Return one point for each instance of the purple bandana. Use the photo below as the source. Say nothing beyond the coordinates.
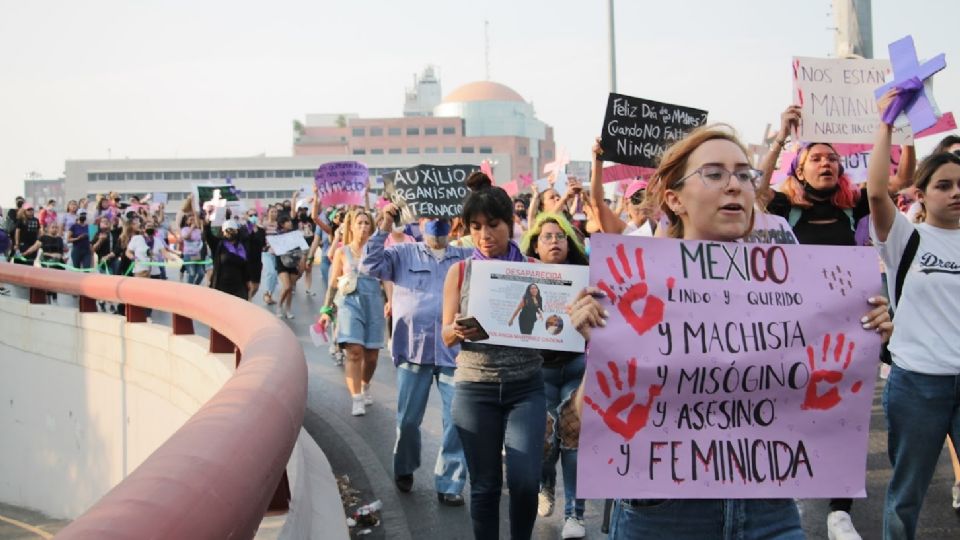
(513, 254)
(235, 248)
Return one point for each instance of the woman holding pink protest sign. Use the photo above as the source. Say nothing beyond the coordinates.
(706, 188)
(920, 398)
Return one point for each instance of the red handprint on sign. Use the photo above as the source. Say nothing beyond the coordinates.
(637, 414)
(829, 377)
(629, 294)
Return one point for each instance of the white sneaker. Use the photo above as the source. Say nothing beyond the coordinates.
(956, 497)
(573, 528)
(288, 315)
(358, 408)
(840, 526)
(367, 398)
(545, 502)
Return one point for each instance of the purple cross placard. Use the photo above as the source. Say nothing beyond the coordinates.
(903, 57)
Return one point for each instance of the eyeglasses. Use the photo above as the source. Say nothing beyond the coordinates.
(554, 237)
(717, 177)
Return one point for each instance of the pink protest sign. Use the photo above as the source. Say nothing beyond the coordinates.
(728, 370)
(622, 172)
(341, 182)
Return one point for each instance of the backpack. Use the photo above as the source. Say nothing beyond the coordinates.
(9, 224)
(913, 243)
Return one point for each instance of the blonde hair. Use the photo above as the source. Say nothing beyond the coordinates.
(672, 166)
(352, 216)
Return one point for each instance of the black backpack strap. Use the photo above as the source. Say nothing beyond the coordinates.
(908, 254)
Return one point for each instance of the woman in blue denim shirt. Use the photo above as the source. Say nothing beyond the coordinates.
(706, 188)
(553, 240)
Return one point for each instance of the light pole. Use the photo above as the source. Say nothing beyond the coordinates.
(613, 48)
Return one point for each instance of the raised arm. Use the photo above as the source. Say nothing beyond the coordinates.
(610, 221)
(905, 169)
(882, 209)
(789, 119)
(377, 261)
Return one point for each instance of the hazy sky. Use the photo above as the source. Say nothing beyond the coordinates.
(171, 78)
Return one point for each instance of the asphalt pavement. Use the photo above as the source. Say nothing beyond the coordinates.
(361, 448)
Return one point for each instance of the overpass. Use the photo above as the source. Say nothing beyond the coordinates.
(136, 430)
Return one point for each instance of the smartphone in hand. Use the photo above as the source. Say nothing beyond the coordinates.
(472, 322)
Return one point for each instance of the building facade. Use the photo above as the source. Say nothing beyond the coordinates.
(37, 191)
(481, 118)
(268, 179)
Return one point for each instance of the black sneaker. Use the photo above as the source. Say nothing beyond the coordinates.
(450, 499)
(404, 482)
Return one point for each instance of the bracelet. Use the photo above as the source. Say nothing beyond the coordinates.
(780, 143)
(328, 310)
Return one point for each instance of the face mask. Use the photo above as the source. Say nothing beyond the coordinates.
(437, 227)
(150, 231)
(253, 219)
(819, 193)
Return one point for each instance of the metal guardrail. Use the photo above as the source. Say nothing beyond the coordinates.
(216, 476)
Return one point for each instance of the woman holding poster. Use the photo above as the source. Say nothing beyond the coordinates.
(707, 189)
(553, 240)
(499, 402)
(358, 300)
(819, 201)
(530, 309)
(920, 398)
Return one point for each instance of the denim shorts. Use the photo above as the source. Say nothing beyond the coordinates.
(360, 319)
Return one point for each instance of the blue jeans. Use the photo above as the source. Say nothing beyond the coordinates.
(81, 258)
(559, 385)
(325, 270)
(194, 271)
(921, 411)
(489, 417)
(706, 519)
(270, 278)
(413, 390)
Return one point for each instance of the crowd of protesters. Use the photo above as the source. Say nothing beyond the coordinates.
(406, 286)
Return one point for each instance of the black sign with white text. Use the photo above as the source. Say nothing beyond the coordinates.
(637, 131)
(433, 191)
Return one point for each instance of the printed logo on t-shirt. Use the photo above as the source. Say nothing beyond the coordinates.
(779, 235)
(931, 264)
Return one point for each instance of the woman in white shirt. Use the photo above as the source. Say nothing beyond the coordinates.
(922, 395)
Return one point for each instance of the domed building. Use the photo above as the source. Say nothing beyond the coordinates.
(482, 117)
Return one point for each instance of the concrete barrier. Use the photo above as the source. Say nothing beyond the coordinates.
(198, 448)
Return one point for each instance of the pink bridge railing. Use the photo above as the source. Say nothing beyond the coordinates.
(218, 474)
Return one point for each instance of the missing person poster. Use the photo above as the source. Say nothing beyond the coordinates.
(728, 370)
(524, 304)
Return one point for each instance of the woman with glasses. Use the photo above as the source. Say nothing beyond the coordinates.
(707, 189)
(823, 207)
(553, 240)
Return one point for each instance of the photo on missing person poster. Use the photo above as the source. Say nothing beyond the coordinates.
(522, 304)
